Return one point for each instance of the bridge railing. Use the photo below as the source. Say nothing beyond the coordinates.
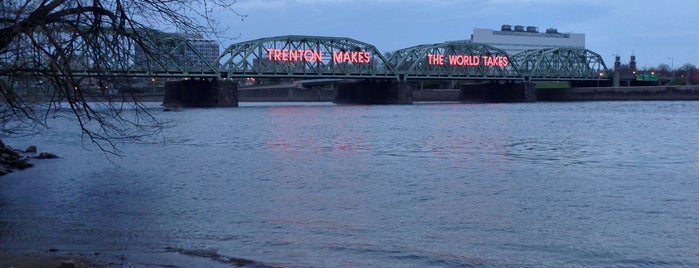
(305, 57)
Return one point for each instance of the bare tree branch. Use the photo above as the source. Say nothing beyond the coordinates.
(69, 50)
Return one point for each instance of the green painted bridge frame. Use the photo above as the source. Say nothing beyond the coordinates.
(560, 64)
(453, 61)
(253, 59)
(161, 55)
(297, 56)
(172, 56)
(304, 57)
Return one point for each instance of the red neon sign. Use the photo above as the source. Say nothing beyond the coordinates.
(464, 60)
(499, 61)
(294, 55)
(291, 55)
(437, 59)
(353, 57)
(467, 60)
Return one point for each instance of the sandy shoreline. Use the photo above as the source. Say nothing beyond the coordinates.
(37, 260)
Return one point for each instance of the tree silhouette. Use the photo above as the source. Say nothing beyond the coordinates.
(67, 51)
(690, 74)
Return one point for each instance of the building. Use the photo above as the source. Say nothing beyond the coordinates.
(208, 49)
(518, 38)
(195, 58)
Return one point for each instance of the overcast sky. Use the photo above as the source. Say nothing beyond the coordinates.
(657, 32)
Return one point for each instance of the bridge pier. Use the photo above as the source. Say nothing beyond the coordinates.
(498, 92)
(374, 92)
(200, 93)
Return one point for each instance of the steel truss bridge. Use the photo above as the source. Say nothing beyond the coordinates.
(332, 57)
(136, 53)
(314, 57)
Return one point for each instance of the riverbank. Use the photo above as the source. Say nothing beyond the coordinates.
(636, 93)
(285, 93)
(35, 260)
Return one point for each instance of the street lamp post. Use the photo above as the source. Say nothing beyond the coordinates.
(672, 68)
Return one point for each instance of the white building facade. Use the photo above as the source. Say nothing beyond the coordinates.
(208, 49)
(519, 38)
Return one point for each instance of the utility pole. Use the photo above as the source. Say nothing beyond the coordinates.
(672, 68)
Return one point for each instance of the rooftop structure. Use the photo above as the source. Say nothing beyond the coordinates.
(517, 38)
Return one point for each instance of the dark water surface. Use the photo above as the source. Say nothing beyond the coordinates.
(599, 184)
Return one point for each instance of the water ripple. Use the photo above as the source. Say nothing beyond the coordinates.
(600, 184)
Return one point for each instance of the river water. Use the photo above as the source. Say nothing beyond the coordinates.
(591, 184)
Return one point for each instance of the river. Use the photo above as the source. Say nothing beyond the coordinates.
(580, 184)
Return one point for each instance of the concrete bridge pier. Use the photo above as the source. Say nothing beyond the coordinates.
(499, 92)
(200, 93)
(374, 91)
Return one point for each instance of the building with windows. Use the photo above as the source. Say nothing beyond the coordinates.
(208, 49)
(517, 38)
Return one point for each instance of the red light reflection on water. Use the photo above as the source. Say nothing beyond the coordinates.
(294, 130)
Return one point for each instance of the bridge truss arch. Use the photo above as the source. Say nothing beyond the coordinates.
(297, 56)
(454, 61)
(139, 52)
(171, 55)
(561, 64)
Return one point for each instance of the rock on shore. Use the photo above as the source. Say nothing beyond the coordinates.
(11, 159)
